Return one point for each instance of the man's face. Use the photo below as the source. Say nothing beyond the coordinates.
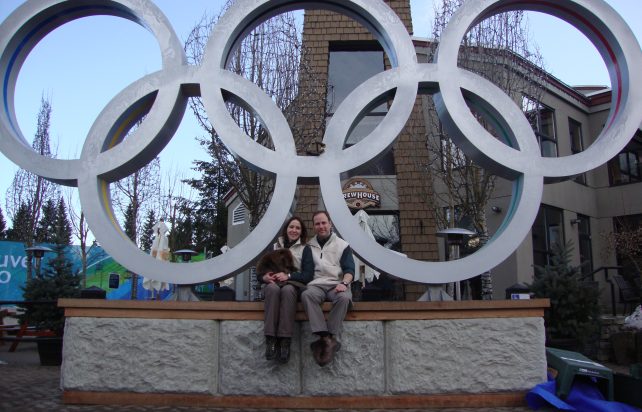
(322, 225)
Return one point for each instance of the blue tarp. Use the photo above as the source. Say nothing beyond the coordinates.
(583, 397)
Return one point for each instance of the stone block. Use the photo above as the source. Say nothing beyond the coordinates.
(244, 369)
(140, 355)
(357, 369)
(465, 356)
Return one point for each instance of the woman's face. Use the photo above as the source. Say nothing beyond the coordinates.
(294, 230)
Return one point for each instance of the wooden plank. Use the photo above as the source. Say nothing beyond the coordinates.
(484, 400)
(254, 310)
(253, 306)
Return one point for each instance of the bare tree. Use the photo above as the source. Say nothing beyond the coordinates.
(138, 191)
(498, 49)
(80, 229)
(271, 56)
(29, 189)
(626, 243)
(173, 205)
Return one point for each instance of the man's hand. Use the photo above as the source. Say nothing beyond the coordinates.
(341, 288)
(281, 277)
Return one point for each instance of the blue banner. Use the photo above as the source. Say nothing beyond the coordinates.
(100, 267)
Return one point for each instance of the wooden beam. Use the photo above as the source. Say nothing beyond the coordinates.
(254, 310)
(485, 400)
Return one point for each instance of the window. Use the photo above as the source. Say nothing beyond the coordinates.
(586, 251)
(577, 143)
(346, 71)
(542, 120)
(238, 214)
(385, 228)
(625, 167)
(547, 230)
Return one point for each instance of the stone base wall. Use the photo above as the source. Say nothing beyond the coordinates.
(216, 350)
(376, 358)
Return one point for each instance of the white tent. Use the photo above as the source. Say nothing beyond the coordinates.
(364, 272)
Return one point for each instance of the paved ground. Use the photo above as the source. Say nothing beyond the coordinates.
(27, 386)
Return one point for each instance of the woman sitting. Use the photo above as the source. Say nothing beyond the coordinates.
(285, 277)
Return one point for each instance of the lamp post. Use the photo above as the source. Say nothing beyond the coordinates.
(184, 292)
(38, 252)
(455, 237)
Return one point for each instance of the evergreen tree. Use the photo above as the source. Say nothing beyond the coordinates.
(575, 310)
(147, 234)
(130, 222)
(56, 281)
(183, 231)
(62, 227)
(20, 232)
(3, 226)
(210, 212)
(46, 227)
(130, 230)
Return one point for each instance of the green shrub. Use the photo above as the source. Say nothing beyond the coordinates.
(57, 281)
(575, 310)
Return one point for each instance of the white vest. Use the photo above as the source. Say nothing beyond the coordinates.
(327, 261)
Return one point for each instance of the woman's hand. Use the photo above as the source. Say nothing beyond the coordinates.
(269, 277)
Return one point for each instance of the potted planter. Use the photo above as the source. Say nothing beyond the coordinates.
(41, 312)
(50, 350)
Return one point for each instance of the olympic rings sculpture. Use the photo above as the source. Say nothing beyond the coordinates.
(106, 157)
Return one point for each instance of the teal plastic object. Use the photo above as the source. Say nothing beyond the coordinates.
(570, 365)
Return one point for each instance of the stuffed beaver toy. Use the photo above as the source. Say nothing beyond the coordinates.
(280, 260)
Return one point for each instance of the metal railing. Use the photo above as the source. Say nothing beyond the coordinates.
(606, 269)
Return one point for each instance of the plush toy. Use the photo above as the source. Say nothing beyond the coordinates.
(280, 260)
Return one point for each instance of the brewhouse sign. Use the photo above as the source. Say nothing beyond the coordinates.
(359, 194)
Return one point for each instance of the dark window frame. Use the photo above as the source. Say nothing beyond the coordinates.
(535, 112)
(631, 158)
(577, 144)
(545, 219)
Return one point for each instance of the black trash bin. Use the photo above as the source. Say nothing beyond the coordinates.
(517, 291)
(93, 292)
(224, 293)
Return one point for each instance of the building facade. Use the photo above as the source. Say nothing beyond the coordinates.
(401, 195)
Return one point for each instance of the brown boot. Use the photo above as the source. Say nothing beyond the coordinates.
(317, 350)
(331, 346)
(284, 350)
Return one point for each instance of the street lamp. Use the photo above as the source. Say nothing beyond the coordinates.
(184, 292)
(38, 252)
(455, 237)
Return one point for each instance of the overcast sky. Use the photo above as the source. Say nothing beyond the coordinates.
(82, 65)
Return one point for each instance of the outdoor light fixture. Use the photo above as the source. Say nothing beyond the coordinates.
(184, 292)
(576, 221)
(186, 254)
(38, 251)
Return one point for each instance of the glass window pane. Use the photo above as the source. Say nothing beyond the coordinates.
(363, 129)
(347, 70)
(549, 148)
(547, 123)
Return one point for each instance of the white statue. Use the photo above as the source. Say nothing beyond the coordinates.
(160, 250)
